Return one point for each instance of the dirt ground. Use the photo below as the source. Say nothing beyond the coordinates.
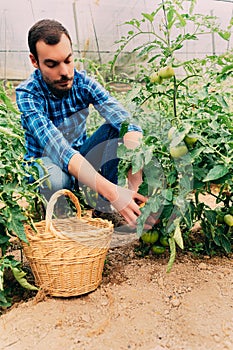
(137, 306)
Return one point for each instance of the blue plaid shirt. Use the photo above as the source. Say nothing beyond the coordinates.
(56, 127)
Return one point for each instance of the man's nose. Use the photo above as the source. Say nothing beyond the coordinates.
(63, 69)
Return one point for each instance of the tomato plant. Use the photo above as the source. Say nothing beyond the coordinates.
(17, 196)
(187, 123)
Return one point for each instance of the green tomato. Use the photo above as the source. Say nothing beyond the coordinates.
(164, 241)
(178, 151)
(190, 140)
(220, 218)
(228, 218)
(150, 237)
(166, 73)
(145, 237)
(154, 236)
(157, 249)
(155, 78)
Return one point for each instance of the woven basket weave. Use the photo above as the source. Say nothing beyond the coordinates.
(67, 256)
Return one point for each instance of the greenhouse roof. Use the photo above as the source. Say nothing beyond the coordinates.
(94, 25)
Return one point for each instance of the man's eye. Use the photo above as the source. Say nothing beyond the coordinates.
(51, 64)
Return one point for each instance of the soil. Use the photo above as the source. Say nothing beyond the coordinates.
(137, 306)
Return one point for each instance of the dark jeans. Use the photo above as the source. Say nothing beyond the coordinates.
(100, 149)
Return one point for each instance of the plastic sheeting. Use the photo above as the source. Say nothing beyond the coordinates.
(94, 25)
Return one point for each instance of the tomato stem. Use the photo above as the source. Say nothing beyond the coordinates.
(174, 98)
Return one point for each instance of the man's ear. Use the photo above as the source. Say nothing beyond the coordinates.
(33, 60)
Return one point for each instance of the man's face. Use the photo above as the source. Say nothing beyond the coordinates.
(56, 65)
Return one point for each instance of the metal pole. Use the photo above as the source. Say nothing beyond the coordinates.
(76, 26)
(212, 35)
(225, 1)
(5, 45)
(228, 43)
(80, 63)
(95, 34)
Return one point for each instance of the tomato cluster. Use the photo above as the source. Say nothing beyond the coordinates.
(180, 150)
(163, 73)
(155, 241)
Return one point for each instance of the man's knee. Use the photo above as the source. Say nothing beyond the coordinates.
(57, 178)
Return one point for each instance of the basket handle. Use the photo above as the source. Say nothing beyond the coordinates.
(52, 202)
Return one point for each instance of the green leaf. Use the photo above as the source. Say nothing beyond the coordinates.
(216, 172)
(8, 133)
(122, 152)
(148, 154)
(124, 128)
(3, 300)
(20, 277)
(4, 239)
(181, 19)
(172, 245)
(152, 206)
(178, 236)
(226, 244)
(16, 226)
(148, 16)
(210, 216)
(231, 22)
(217, 240)
(154, 174)
(167, 194)
(189, 215)
(137, 162)
(224, 35)
(7, 101)
(227, 68)
(178, 135)
(170, 16)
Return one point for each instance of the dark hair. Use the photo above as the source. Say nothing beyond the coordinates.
(47, 30)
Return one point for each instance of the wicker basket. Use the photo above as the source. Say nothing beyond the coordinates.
(67, 255)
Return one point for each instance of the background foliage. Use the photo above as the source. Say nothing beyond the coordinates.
(17, 196)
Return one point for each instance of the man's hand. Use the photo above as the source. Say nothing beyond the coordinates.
(126, 204)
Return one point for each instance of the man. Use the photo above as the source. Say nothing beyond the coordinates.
(54, 104)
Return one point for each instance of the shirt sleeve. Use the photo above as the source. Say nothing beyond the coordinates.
(108, 106)
(114, 113)
(47, 138)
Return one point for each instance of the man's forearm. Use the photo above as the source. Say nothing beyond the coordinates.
(122, 199)
(84, 172)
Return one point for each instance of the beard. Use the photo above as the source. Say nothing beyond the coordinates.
(60, 88)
